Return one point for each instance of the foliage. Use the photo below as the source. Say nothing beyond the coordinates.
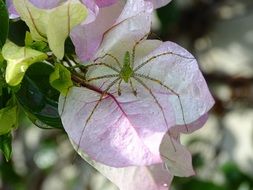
(38, 99)
(5, 145)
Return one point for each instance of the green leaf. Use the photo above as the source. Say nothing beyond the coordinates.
(38, 98)
(8, 114)
(5, 97)
(60, 79)
(69, 46)
(1, 60)
(8, 119)
(4, 23)
(52, 25)
(2, 85)
(37, 45)
(40, 46)
(169, 16)
(5, 145)
(18, 61)
(234, 177)
(2, 80)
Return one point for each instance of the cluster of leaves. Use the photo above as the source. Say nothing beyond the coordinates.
(34, 96)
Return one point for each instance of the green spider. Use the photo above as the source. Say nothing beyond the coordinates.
(126, 72)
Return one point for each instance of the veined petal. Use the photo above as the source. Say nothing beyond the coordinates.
(87, 37)
(176, 157)
(175, 131)
(105, 3)
(154, 177)
(134, 8)
(93, 11)
(65, 17)
(177, 69)
(34, 17)
(124, 35)
(119, 132)
(54, 24)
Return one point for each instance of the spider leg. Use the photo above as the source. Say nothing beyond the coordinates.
(168, 88)
(119, 90)
(132, 87)
(64, 103)
(135, 46)
(102, 77)
(112, 56)
(103, 64)
(157, 102)
(95, 107)
(157, 56)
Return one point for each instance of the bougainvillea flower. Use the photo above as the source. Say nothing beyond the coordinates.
(52, 25)
(132, 98)
(87, 37)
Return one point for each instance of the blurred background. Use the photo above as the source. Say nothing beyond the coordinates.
(220, 34)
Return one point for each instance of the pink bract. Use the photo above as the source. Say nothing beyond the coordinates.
(103, 3)
(87, 38)
(11, 9)
(154, 177)
(127, 130)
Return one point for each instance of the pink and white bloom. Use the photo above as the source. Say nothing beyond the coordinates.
(126, 129)
(88, 37)
(132, 116)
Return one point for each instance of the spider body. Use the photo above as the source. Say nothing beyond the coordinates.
(127, 71)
